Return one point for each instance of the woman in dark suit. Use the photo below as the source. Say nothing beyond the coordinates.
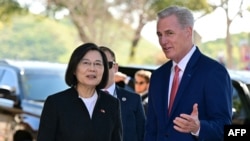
(82, 112)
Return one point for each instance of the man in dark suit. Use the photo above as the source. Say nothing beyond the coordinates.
(142, 79)
(133, 117)
(22, 135)
(203, 97)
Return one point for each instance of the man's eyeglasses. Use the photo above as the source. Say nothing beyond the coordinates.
(139, 83)
(111, 63)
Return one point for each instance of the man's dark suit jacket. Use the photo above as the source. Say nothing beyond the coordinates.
(66, 118)
(205, 82)
(133, 117)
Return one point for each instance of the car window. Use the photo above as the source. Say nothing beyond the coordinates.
(248, 86)
(38, 85)
(239, 111)
(1, 73)
(10, 78)
(237, 104)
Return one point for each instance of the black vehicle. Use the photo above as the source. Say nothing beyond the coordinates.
(241, 93)
(24, 85)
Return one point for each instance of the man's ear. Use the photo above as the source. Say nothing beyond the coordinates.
(116, 67)
(189, 31)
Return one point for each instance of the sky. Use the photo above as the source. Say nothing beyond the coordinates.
(211, 26)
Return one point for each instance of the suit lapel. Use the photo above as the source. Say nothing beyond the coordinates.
(186, 77)
(161, 88)
(118, 92)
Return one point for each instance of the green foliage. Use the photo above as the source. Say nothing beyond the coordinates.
(40, 38)
(10, 8)
(195, 5)
(103, 30)
(35, 38)
(215, 48)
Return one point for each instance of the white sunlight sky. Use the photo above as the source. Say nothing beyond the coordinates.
(210, 27)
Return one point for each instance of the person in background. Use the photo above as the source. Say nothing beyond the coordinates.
(133, 116)
(190, 96)
(124, 81)
(142, 79)
(22, 135)
(83, 111)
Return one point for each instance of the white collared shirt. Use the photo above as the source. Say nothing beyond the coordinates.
(111, 90)
(182, 65)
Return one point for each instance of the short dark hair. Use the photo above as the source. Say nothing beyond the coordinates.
(76, 57)
(104, 49)
(22, 135)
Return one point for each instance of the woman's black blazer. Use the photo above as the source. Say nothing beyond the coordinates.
(66, 118)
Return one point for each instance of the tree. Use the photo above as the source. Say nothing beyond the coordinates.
(145, 11)
(87, 14)
(10, 8)
(226, 5)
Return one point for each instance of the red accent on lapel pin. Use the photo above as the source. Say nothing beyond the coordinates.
(103, 111)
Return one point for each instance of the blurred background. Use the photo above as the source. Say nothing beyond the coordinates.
(49, 30)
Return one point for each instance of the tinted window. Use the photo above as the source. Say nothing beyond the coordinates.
(237, 104)
(40, 84)
(10, 78)
(239, 111)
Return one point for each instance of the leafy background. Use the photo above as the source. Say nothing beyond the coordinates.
(36, 37)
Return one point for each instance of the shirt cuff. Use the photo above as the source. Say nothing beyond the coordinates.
(197, 133)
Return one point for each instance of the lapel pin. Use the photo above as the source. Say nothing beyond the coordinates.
(124, 99)
(103, 111)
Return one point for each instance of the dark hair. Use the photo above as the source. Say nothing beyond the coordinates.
(104, 49)
(76, 57)
(22, 135)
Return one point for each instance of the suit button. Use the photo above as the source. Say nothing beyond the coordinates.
(166, 135)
